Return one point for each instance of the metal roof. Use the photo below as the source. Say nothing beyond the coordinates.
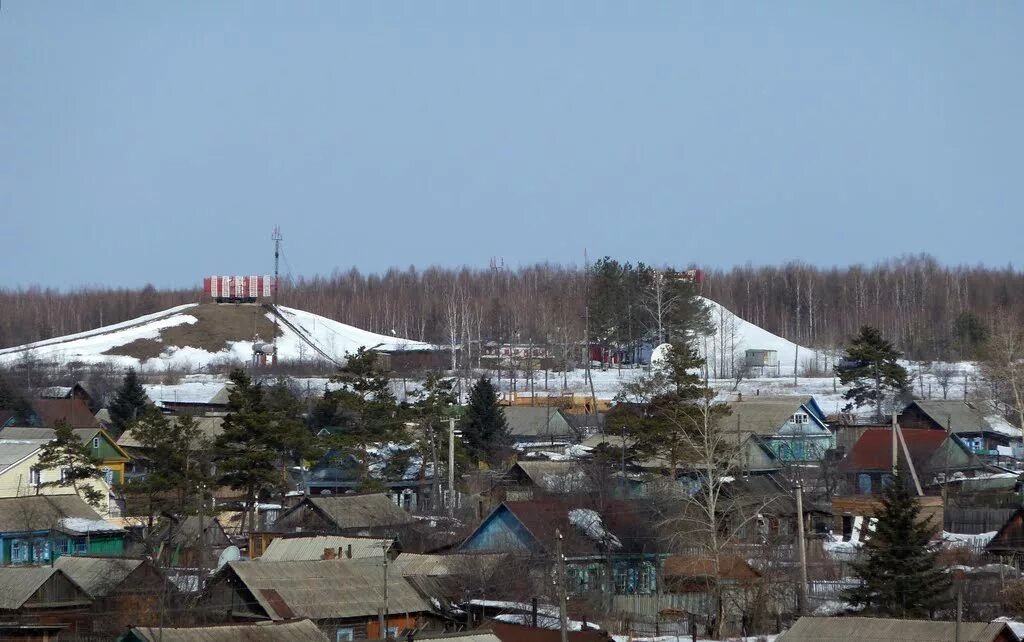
(867, 629)
(312, 548)
(359, 511)
(480, 635)
(966, 416)
(325, 589)
(763, 416)
(536, 421)
(14, 451)
(295, 631)
(97, 576)
(190, 392)
(209, 426)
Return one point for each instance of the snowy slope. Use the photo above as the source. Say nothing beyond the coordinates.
(304, 336)
(735, 334)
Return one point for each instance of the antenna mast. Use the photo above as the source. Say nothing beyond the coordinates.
(276, 238)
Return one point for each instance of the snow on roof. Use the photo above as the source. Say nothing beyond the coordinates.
(589, 521)
(85, 525)
(198, 392)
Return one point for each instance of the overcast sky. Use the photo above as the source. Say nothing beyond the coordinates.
(160, 141)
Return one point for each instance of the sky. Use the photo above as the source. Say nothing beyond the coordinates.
(156, 142)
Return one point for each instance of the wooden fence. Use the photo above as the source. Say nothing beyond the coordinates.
(971, 521)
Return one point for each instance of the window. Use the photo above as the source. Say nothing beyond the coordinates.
(19, 551)
(864, 484)
(35, 477)
(95, 443)
(800, 418)
(345, 634)
(108, 475)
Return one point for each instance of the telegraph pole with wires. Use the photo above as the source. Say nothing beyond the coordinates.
(563, 599)
(276, 237)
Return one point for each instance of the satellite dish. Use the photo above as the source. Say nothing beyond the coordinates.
(229, 554)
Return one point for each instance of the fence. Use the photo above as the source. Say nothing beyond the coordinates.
(972, 521)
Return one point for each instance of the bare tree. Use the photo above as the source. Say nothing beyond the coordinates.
(1003, 367)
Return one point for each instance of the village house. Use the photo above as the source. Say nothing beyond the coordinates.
(191, 541)
(102, 446)
(19, 475)
(124, 591)
(345, 598)
(190, 397)
(36, 598)
(792, 428)
(320, 547)
(844, 629)
(534, 425)
(45, 413)
(977, 423)
(618, 539)
(38, 528)
(279, 631)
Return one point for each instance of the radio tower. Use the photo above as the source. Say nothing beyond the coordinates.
(276, 238)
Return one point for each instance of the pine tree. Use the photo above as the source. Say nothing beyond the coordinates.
(127, 404)
(872, 366)
(484, 429)
(71, 460)
(364, 413)
(900, 575)
(13, 399)
(247, 459)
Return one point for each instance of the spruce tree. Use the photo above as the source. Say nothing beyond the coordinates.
(872, 367)
(71, 462)
(484, 429)
(127, 404)
(900, 576)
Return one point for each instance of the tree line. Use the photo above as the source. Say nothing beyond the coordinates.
(929, 311)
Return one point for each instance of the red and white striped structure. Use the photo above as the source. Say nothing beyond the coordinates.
(239, 288)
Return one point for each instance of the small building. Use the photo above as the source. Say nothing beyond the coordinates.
(36, 528)
(43, 595)
(1009, 539)
(191, 541)
(533, 424)
(793, 428)
(343, 597)
(372, 515)
(112, 457)
(530, 479)
(124, 591)
(845, 629)
(19, 476)
(762, 359)
(190, 397)
(285, 631)
(76, 391)
(977, 423)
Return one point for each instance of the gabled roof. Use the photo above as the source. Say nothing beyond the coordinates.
(870, 629)
(49, 434)
(619, 527)
(555, 476)
(295, 631)
(325, 589)
(74, 411)
(98, 576)
(873, 450)
(312, 548)
(766, 416)
(18, 583)
(966, 416)
(15, 451)
(45, 512)
(730, 567)
(418, 564)
(356, 511)
(536, 421)
(204, 393)
(209, 427)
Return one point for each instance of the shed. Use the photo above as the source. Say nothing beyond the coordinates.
(370, 515)
(537, 423)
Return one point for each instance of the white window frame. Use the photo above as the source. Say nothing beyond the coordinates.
(95, 443)
(800, 418)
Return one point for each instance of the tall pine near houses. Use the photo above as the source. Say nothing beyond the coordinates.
(900, 575)
(484, 429)
(873, 371)
(127, 404)
(68, 462)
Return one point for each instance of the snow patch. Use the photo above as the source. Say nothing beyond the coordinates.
(589, 521)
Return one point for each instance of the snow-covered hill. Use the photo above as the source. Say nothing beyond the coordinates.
(197, 335)
(733, 336)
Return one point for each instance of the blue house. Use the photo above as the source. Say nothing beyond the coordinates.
(38, 528)
(793, 428)
(619, 535)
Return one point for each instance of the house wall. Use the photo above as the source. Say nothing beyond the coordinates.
(16, 482)
(38, 546)
(501, 532)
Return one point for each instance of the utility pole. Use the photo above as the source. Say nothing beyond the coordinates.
(384, 613)
(801, 547)
(451, 466)
(895, 456)
(276, 238)
(563, 622)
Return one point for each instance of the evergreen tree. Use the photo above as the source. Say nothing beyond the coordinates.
(71, 461)
(246, 454)
(872, 367)
(127, 404)
(13, 399)
(900, 576)
(484, 430)
(363, 412)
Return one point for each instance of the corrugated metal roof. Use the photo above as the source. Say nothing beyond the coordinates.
(193, 392)
(534, 421)
(210, 427)
(325, 589)
(312, 548)
(42, 512)
(867, 629)
(480, 635)
(761, 416)
(13, 451)
(873, 450)
(965, 416)
(97, 576)
(299, 631)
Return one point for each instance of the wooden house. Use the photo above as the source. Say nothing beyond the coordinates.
(43, 595)
(1009, 539)
(124, 591)
(372, 515)
(19, 475)
(345, 598)
(191, 397)
(793, 428)
(978, 424)
(191, 542)
(38, 528)
(102, 446)
(844, 629)
(538, 424)
(615, 539)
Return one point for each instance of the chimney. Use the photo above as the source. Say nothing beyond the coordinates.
(739, 396)
(348, 552)
(329, 554)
